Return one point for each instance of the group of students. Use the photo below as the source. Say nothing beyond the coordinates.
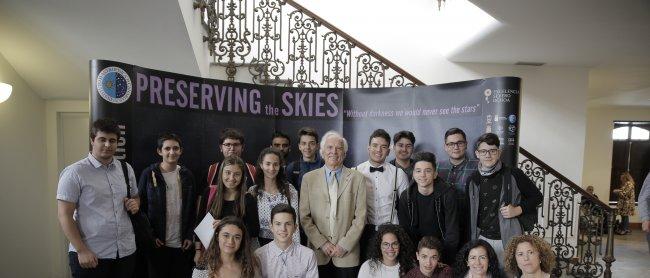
(310, 217)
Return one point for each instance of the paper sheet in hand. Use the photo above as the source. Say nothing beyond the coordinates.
(204, 230)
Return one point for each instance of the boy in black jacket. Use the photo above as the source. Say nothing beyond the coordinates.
(167, 193)
(428, 206)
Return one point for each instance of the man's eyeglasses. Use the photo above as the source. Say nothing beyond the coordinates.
(485, 152)
(231, 145)
(459, 144)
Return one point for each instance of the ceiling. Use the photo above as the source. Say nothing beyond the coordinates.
(50, 43)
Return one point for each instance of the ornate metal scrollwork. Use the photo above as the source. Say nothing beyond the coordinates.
(265, 67)
(337, 64)
(578, 246)
(370, 72)
(233, 45)
(303, 46)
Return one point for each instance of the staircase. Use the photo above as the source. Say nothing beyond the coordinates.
(279, 42)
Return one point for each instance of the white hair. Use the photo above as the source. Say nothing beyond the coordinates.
(329, 134)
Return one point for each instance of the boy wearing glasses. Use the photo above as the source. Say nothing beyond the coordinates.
(231, 143)
(455, 171)
(500, 198)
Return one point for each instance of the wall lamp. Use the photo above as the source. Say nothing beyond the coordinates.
(5, 91)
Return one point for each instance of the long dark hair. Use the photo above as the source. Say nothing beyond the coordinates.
(461, 259)
(280, 179)
(240, 204)
(244, 255)
(405, 256)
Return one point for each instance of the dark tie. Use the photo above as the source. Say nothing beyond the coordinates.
(380, 169)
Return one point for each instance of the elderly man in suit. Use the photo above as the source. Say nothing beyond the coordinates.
(333, 210)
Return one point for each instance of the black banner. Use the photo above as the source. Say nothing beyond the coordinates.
(148, 103)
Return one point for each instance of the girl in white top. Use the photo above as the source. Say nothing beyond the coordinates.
(272, 189)
(388, 253)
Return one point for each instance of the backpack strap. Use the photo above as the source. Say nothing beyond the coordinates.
(125, 171)
(211, 194)
(212, 172)
(251, 171)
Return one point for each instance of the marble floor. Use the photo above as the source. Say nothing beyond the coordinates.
(632, 255)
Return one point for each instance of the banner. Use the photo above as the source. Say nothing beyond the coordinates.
(147, 103)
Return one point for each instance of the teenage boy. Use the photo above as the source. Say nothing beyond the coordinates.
(384, 184)
(456, 170)
(167, 192)
(403, 143)
(501, 199)
(282, 143)
(310, 159)
(93, 208)
(283, 257)
(231, 143)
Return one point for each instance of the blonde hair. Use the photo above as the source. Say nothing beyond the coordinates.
(546, 255)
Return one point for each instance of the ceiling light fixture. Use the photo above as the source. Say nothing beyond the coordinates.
(440, 3)
(5, 91)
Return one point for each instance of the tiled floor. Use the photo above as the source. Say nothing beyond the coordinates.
(632, 255)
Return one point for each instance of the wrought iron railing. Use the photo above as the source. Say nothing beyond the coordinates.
(576, 223)
(280, 42)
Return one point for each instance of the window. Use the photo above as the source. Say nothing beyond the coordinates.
(631, 152)
(640, 133)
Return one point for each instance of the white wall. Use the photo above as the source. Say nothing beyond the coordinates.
(59, 154)
(598, 157)
(24, 191)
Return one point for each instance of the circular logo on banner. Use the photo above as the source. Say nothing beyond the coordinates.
(114, 85)
(512, 119)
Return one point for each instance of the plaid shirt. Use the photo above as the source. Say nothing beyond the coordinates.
(457, 175)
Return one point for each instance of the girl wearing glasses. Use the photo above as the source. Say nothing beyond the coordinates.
(389, 255)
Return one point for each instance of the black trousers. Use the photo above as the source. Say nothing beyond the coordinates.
(118, 268)
(170, 262)
(329, 270)
(368, 235)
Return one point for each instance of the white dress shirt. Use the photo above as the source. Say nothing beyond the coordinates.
(295, 261)
(380, 193)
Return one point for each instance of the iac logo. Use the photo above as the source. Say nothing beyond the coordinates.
(114, 85)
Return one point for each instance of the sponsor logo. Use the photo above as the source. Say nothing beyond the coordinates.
(488, 128)
(511, 141)
(496, 118)
(114, 85)
(512, 119)
(488, 119)
(512, 128)
(487, 94)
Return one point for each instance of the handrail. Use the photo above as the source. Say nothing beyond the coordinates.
(565, 180)
(356, 42)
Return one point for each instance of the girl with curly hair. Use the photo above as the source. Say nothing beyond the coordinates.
(271, 189)
(389, 255)
(229, 254)
(429, 265)
(477, 259)
(529, 256)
